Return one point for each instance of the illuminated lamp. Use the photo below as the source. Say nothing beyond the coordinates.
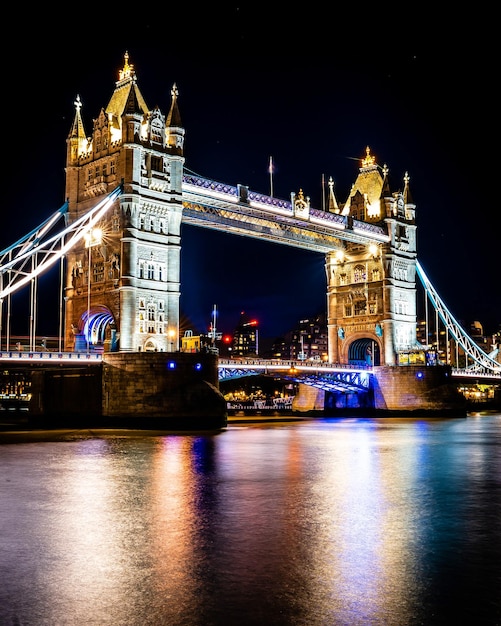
(171, 365)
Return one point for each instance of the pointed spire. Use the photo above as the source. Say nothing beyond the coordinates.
(407, 192)
(332, 204)
(385, 190)
(77, 142)
(174, 117)
(173, 126)
(77, 128)
(410, 207)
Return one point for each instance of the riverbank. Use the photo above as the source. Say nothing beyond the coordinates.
(20, 431)
(16, 428)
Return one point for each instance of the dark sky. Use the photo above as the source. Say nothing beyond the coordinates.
(310, 90)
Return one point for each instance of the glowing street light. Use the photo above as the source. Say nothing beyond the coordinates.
(172, 334)
(93, 238)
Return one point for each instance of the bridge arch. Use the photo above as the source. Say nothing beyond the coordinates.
(98, 328)
(364, 351)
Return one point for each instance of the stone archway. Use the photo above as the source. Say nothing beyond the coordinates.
(99, 330)
(364, 351)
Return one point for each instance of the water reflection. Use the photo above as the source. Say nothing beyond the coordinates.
(323, 522)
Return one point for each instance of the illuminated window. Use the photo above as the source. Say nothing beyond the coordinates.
(359, 274)
(360, 307)
(98, 272)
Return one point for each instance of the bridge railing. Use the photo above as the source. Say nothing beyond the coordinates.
(291, 364)
(19, 355)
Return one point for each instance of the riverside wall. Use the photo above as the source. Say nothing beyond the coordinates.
(144, 390)
(181, 390)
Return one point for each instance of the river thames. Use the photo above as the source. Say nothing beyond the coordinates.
(316, 522)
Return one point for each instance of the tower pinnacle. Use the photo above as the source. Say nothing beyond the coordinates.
(128, 70)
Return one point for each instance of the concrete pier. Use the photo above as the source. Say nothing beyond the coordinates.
(142, 390)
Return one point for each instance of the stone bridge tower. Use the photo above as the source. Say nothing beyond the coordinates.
(122, 288)
(371, 290)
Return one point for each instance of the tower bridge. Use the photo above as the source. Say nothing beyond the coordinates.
(128, 191)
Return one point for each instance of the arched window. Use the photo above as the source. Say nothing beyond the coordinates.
(359, 275)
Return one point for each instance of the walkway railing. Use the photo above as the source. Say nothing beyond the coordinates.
(53, 357)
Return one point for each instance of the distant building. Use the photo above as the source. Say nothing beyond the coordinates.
(246, 337)
(309, 340)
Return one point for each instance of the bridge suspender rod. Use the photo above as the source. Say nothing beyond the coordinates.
(468, 345)
(35, 236)
(53, 249)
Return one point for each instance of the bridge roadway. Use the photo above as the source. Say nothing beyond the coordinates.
(327, 376)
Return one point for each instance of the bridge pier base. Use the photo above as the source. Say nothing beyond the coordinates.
(417, 390)
(163, 390)
(308, 398)
(146, 390)
(395, 391)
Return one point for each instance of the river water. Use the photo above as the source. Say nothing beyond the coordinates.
(318, 522)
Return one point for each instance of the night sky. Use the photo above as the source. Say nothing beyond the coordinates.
(310, 90)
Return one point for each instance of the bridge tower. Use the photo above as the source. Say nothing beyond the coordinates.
(371, 290)
(122, 286)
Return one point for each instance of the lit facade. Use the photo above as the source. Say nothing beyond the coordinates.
(132, 273)
(371, 290)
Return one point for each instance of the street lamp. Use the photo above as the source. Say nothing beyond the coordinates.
(92, 238)
(172, 334)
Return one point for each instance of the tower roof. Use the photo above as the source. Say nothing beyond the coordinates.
(369, 182)
(126, 95)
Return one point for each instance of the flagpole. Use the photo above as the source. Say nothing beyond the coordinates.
(323, 192)
(270, 169)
